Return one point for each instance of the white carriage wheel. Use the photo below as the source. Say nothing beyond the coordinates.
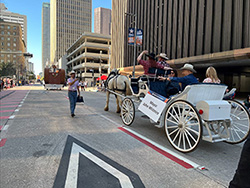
(240, 123)
(183, 126)
(128, 111)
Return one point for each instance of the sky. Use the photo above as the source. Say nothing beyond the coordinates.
(33, 10)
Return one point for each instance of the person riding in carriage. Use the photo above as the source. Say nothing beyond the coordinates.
(150, 63)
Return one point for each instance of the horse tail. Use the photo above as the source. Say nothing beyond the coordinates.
(127, 87)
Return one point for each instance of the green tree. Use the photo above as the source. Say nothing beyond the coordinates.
(7, 69)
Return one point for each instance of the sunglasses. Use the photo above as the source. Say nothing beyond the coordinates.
(172, 73)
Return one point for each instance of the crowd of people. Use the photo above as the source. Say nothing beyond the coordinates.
(7, 83)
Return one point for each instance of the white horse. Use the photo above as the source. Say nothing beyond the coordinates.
(119, 84)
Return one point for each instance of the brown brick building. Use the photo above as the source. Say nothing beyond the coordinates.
(11, 45)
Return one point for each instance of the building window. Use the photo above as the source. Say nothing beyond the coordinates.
(8, 27)
(14, 33)
(8, 44)
(8, 33)
(2, 55)
(2, 32)
(2, 26)
(14, 61)
(2, 38)
(14, 27)
(14, 44)
(8, 38)
(14, 39)
(8, 61)
(2, 61)
(2, 43)
(14, 56)
(8, 55)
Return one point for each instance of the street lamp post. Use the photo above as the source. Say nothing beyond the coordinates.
(135, 21)
(100, 68)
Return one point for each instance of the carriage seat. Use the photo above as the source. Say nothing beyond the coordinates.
(199, 92)
(158, 72)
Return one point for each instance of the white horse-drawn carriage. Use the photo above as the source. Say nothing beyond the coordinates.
(199, 112)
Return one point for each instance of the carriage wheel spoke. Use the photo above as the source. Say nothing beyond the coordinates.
(237, 133)
(187, 139)
(187, 114)
(180, 137)
(193, 124)
(190, 135)
(197, 133)
(176, 135)
(173, 132)
(172, 121)
(173, 117)
(184, 141)
(171, 127)
(176, 114)
(239, 130)
(241, 124)
(190, 119)
(240, 113)
(235, 109)
(232, 134)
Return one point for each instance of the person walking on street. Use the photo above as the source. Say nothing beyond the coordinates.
(72, 91)
(211, 75)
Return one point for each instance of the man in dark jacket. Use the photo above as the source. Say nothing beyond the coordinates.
(188, 79)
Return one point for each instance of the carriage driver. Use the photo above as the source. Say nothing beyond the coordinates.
(150, 62)
(188, 79)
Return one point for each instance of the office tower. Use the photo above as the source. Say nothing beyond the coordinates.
(14, 18)
(68, 20)
(102, 21)
(45, 34)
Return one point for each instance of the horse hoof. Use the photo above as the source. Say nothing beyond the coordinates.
(106, 109)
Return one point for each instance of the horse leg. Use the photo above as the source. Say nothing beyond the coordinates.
(118, 102)
(106, 108)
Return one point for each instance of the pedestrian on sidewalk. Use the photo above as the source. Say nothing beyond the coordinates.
(72, 91)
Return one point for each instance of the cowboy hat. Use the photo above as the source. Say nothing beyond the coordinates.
(163, 55)
(151, 55)
(188, 67)
(72, 72)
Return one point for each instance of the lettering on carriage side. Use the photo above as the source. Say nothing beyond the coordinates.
(153, 104)
(152, 107)
(82, 166)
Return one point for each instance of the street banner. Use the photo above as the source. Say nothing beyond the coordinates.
(152, 107)
(139, 35)
(131, 36)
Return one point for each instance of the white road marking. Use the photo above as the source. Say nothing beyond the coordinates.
(12, 117)
(20, 105)
(5, 127)
(71, 179)
(16, 110)
(195, 165)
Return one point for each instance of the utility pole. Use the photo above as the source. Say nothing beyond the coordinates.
(135, 21)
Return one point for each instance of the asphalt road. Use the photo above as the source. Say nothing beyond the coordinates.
(40, 142)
